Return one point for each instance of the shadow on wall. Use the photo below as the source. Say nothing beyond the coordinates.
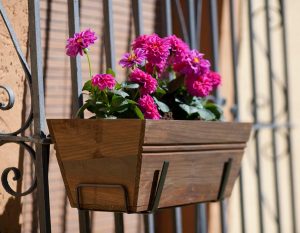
(9, 219)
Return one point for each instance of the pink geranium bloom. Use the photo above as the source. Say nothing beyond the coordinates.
(178, 49)
(148, 107)
(148, 84)
(137, 57)
(193, 63)
(103, 81)
(80, 41)
(157, 49)
(200, 86)
(215, 79)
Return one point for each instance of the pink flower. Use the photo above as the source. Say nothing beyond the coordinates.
(193, 64)
(200, 86)
(79, 42)
(148, 107)
(148, 84)
(139, 42)
(103, 81)
(156, 48)
(215, 79)
(135, 58)
(178, 49)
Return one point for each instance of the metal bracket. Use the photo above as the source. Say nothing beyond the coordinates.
(225, 176)
(157, 188)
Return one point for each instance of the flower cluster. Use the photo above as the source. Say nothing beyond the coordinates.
(157, 55)
(80, 41)
(165, 76)
(103, 81)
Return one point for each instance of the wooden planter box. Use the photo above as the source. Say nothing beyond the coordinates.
(129, 154)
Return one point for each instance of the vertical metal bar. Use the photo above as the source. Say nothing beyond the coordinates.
(198, 23)
(119, 223)
(214, 34)
(287, 110)
(191, 24)
(272, 112)
(215, 40)
(42, 151)
(110, 63)
(235, 109)
(149, 223)
(168, 17)
(178, 220)
(224, 216)
(74, 26)
(201, 225)
(109, 34)
(179, 12)
(255, 116)
(84, 221)
(138, 18)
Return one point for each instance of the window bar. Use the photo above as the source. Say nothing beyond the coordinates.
(178, 219)
(272, 112)
(149, 223)
(138, 18)
(201, 224)
(255, 116)
(109, 41)
(198, 23)
(42, 151)
(192, 24)
(77, 100)
(287, 109)
(74, 26)
(167, 11)
(179, 12)
(235, 108)
(109, 34)
(215, 66)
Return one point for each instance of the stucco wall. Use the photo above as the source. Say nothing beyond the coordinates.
(11, 74)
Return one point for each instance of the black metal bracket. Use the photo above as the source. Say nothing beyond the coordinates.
(224, 181)
(157, 188)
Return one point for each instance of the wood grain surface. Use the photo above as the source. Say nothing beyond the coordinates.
(129, 152)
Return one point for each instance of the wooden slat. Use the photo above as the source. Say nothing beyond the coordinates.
(192, 176)
(129, 152)
(195, 132)
(201, 147)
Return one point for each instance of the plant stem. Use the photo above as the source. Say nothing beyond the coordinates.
(89, 61)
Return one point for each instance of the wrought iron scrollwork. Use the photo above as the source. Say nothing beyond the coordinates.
(18, 174)
(11, 98)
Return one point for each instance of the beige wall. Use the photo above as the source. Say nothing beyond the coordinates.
(244, 72)
(11, 74)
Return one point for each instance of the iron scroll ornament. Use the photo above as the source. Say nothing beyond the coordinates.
(11, 98)
(18, 174)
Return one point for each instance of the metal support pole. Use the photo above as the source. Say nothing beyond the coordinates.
(178, 220)
(149, 223)
(84, 221)
(42, 151)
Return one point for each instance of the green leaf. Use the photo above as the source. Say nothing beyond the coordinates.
(138, 112)
(120, 92)
(160, 91)
(80, 111)
(162, 106)
(117, 100)
(205, 114)
(88, 86)
(130, 85)
(188, 109)
(215, 109)
(110, 71)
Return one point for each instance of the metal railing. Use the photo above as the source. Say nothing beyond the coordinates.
(190, 17)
